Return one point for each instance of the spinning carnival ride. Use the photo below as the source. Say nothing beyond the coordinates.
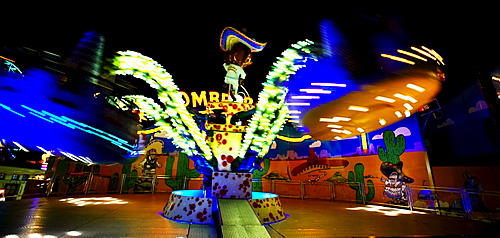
(227, 148)
(332, 107)
(229, 142)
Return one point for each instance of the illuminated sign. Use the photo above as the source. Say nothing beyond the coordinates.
(194, 99)
(45, 161)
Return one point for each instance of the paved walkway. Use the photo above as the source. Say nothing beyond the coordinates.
(140, 217)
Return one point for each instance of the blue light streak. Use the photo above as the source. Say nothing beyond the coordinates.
(41, 117)
(63, 120)
(10, 110)
(33, 119)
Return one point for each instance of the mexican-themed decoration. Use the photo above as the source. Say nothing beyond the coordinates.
(315, 167)
(232, 185)
(148, 166)
(236, 135)
(268, 210)
(229, 140)
(189, 206)
(238, 54)
(226, 131)
(183, 172)
(356, 181)
(392, 167)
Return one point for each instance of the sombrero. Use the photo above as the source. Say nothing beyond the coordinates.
(231, 36)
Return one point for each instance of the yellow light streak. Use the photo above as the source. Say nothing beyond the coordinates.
(1, 57)
(408, 106)
(341, 131)
(150, 131)
(360, 129)
(334, 126)
(423, 52)
(435, 54)
(335, 119)
(415, 87)
(412, 55)
(294, 112)
(382, 121)
(403, 60)
(380, 98)
(398, 114)
(407, 113)
(405, 97)
(290, 139)
(364, 141)
(358, 108)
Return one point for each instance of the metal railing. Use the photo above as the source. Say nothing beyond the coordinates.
(480, 205)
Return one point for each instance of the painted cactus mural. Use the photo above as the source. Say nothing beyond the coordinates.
(356, 181)
(73, 181)
(392, 167)
(183, 172)
(394, 147)
(130, 177)
(113, 183)
(258, 173)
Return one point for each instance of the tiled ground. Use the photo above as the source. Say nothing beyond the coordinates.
(139, 217)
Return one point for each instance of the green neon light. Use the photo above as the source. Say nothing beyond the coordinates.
(179, 126)
(266, 123)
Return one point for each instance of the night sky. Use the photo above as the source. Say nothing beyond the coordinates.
(187, 44)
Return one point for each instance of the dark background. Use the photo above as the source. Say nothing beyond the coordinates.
(186, 40)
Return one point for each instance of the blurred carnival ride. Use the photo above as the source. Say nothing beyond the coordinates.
(324, 101)
(308, 85)
(49, 105)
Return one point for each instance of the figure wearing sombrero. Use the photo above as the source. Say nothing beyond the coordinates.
(238, 54)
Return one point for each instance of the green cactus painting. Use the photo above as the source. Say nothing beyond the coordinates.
(113, 183)
(390, 157)
(183, 171)
(257, 175)
(392, 149)
(356, 181)
(392, 167)
(74, 181)
(130, 177)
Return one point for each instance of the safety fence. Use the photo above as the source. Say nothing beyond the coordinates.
(479, 205)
